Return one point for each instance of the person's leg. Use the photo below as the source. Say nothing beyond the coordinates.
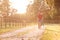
(40, 23)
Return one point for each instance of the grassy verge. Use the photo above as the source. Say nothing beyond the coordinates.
(52, 32)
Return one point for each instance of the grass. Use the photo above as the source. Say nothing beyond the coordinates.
(52, 32)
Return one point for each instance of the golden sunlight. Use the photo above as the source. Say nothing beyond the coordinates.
(21, 5)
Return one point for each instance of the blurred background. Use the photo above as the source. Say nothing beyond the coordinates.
(12, 17)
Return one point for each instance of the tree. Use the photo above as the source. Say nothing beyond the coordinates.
(4, 8)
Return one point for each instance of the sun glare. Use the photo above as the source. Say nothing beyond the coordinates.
(21, 5)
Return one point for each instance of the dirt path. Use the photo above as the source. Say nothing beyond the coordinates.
(31, 32)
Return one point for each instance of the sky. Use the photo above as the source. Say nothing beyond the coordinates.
(21, 5)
